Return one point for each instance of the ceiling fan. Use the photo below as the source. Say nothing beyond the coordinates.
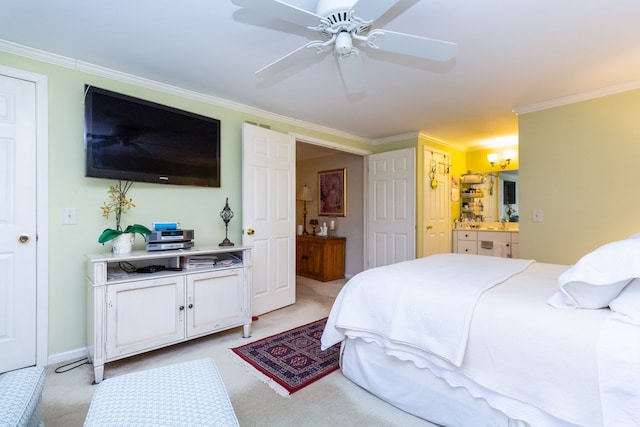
(343, 23)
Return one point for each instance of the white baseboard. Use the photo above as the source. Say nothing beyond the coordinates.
(67, 356)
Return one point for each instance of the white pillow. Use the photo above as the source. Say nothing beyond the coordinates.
(626, 306)
(599, 277)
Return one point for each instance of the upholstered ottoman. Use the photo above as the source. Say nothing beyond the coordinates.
(184, 394)
(21, 397)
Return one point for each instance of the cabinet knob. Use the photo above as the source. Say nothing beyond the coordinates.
(181, 307)
(190, 305)
(250, 231)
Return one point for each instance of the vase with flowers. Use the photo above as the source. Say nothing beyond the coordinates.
(119, 204)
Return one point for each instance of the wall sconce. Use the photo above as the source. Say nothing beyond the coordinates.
(503, 162)
(305, 196)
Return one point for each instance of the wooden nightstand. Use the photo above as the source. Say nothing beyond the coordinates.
(320, 258)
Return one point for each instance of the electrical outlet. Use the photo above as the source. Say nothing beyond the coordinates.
(537, 215)
(69, 216)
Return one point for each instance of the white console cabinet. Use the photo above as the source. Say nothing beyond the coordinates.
(131, 312)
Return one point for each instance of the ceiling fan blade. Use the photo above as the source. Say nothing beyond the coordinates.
(407, 44)
(371, 10)
(309, 50)
(281, 10)
(352, 72)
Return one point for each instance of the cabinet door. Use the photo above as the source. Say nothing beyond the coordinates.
(515, 250)
(144, 314)
(315, 259)
(214, 301)
(494, 243)
(334, 258)
(301, 258)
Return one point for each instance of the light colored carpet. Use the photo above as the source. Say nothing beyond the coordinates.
(333, 400)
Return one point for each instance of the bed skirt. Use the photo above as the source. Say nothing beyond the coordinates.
(418, 391)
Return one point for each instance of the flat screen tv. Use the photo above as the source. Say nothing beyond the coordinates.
(127, 138)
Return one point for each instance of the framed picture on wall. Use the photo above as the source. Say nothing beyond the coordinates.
(332, 192)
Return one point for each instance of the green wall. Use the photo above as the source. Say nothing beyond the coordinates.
(579, 165)
(194, 207)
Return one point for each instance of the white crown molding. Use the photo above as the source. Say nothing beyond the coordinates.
(585, 96)
(415, 135)
(96, 70)
(444, 143)
(329, 144)
(40, 55)
(396, 138)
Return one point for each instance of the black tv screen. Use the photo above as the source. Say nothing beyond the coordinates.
(136, 140)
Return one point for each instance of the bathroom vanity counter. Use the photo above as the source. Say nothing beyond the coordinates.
(486, 241)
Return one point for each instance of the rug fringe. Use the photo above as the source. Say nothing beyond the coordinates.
(259, 375)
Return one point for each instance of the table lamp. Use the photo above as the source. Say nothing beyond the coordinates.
(305, 196)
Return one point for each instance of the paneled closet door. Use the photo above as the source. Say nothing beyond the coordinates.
(17, 223)
(391, 200)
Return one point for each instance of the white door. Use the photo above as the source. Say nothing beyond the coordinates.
(391, 194)
(268, 215)
(17, 223)
(437, 205)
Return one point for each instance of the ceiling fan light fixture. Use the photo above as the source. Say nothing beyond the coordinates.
(344, 44)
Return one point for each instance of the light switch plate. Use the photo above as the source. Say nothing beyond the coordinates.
(69, 216)
(537, 215)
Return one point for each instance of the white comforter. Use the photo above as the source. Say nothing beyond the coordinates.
(426, 303)
(522, 356)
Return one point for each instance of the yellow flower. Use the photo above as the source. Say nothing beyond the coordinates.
(119, 204)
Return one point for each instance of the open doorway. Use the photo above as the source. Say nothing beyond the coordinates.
(314, 158)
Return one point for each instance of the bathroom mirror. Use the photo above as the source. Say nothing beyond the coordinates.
(509, 197)
(499, 197)
(503, 196)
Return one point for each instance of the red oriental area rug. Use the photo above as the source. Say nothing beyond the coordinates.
(291, 360)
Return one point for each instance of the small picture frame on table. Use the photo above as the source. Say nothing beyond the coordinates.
(332, 192)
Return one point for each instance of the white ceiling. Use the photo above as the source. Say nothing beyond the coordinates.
(511, 53)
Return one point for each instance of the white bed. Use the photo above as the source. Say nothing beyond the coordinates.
(465, 340)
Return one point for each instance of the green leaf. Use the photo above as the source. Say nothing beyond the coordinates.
(108, 234)
(137, 228)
